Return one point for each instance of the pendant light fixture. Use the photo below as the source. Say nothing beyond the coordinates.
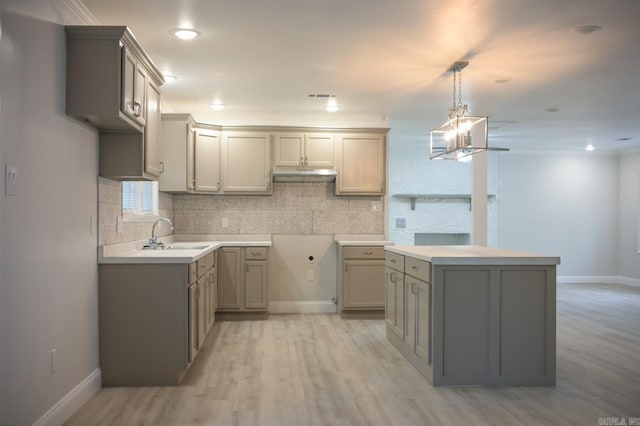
(464, 133)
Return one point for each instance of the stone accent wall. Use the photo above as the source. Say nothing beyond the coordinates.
(110, 209)
(414, 173)
(294, 209)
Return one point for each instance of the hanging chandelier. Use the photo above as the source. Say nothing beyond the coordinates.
(464, 133)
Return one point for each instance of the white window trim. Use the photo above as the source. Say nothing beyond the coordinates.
(138, 215)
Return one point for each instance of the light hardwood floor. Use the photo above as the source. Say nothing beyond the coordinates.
(322, 370)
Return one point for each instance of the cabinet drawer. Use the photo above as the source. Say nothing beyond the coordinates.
(419, 269)
(362, 252)
(256, 253)
(395, 261)
(193, 272)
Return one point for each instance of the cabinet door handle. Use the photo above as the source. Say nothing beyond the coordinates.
(137, 108)
(301, 162)
(255, 253)
(162, 167)
(367, 252)
(306, 161)
(415, 268)
(246, 267)
(413, 288)
(392, 261)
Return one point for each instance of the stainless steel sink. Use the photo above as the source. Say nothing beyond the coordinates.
(176, 247)
(186, 247)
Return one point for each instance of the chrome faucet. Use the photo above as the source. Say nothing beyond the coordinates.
(153, 241)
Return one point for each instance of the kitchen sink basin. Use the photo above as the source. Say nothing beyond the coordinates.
(177, 247)
(186, 247)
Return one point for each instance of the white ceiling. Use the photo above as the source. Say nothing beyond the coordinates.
(386, 61)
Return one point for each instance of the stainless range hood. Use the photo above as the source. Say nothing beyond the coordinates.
(299, 175)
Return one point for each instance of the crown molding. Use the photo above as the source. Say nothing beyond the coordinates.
(78, 8)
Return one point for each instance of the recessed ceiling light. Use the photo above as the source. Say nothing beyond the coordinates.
(332, 105)
(168, 78)
(624, 139)
(502, 80)
(586, 29)
(552, 109)
(185, 33)
(589, 147)
(217, 106)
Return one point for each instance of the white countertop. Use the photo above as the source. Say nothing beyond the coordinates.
(133, 253)
(472, 255)
(361, 240)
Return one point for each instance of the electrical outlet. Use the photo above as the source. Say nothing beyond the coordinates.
(225, 222)
(310, 275)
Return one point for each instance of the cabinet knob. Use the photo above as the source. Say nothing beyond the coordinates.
(162, 167)
(415, 268)
(393, 261)
(137, 108)
(367, 252)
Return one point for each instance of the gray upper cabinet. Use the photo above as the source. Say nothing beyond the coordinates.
(190, 156)
(246, 162)
(114, 86)
(361, 164)
(304, 150)
(107, 73)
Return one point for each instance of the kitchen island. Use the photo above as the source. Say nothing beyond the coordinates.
(469, 315)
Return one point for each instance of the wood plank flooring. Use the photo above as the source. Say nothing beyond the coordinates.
(323, 370)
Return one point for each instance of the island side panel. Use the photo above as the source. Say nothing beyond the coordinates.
(462, 325)
(528, 324)
(494, 325)
(143, 322)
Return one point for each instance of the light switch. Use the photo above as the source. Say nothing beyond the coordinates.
(10, 180)
(225, 222)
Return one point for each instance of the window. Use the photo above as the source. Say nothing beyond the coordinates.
(139, 201)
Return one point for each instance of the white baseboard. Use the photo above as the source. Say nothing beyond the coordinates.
(630, 281)
(71, 402)
(597, 279)
(302, 307)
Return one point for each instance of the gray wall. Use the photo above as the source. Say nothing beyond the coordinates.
(629, 218)
(48, 293)
(561, 205)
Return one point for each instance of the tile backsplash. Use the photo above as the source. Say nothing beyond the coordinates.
(110, 211)
(294, 209)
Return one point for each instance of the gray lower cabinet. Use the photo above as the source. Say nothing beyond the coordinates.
(152, 320)
(469, 324)
(361, 281)
(242, 282)
(394, 297)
